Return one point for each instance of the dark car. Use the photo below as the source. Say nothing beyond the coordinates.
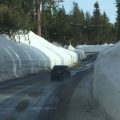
(60, 72)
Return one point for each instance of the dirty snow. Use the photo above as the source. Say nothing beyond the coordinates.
(82, 105)
(107, 80)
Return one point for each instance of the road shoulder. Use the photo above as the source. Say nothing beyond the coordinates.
(82, 105)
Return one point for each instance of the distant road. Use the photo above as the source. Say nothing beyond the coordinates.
(36, 97)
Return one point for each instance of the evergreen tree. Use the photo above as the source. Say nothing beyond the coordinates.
(15, 15)
(105, 29)
(88, 28)
(59, 30)
(54, 24)
(38, 17)
(96, 23)
(118, 20)
(77, 22)
(49, 13)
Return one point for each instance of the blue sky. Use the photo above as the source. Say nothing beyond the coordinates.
(87, 5)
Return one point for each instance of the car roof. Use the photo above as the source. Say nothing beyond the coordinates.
(60, 66)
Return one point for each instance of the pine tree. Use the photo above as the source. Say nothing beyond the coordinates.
(77, 22)
(38, 17)
(105, 29)
(60, 23)
(118, 20)
(88, 28)
(49, 11)
(15, 15)
(96, 23)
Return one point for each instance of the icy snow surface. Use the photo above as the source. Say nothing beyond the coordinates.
(19, 59)
(93, 48)
(107, 80)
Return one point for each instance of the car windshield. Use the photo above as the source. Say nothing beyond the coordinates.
(59, 59)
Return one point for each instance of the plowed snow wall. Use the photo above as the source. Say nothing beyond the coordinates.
(107, 80)
(18, 60)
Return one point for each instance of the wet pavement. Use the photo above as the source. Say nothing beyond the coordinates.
(37, 98)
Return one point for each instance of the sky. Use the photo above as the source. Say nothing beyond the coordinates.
(88, 5)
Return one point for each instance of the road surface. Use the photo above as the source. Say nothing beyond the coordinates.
(37, 98)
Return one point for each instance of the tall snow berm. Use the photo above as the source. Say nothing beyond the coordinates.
(55, 54)
(107, 80)
(20, 59)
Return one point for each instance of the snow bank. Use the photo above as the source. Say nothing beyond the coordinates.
(93, 48)
(80, 52)
(70, 47)
(56, 55)
(19, 59)
(107, 80)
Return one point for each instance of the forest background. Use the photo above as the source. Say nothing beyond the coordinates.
(48, 18)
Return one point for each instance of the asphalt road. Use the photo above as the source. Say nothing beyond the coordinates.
(36, 97)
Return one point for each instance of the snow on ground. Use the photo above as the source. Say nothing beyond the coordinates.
(56, 55)
(82, 105)
(20, 59)
(107, 80)
(17, 60)
(93, 48)
(70, 47)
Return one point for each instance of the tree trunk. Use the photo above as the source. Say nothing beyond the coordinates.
(38, 18)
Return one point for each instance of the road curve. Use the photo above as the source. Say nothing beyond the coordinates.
(36, 97)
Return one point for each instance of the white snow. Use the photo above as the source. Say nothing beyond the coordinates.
(70, 47)
(93, 48)
(80, 52)
(19, 59)
(107, 80)
(56, 55)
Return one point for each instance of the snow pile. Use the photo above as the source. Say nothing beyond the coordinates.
(93, 48)
(70, 47)
(80, 52)
(57, 44)
(56, 55)
(17, 60)
(107, 80)
(20, 59)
